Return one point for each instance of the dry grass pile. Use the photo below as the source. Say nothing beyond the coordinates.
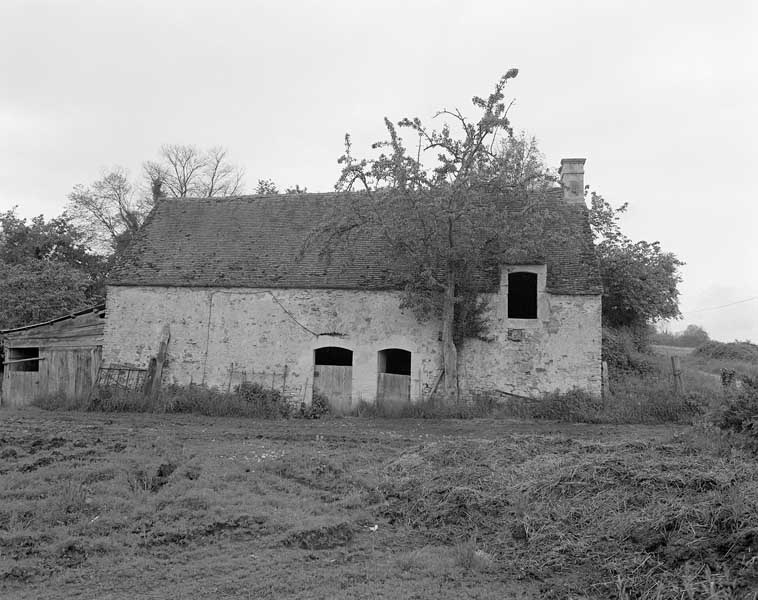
(626, 520)
(635, 399)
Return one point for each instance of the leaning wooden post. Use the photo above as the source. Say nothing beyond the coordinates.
(160, 361)
(676, 368)
(606, 390)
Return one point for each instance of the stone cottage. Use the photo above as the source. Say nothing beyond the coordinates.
(243, 302)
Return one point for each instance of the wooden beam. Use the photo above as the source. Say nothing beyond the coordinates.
(20, 360)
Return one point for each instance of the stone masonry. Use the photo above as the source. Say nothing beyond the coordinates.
(216, 332)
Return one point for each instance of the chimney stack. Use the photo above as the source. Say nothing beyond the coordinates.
(572, 179)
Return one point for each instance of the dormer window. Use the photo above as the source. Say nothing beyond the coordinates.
(522, 295)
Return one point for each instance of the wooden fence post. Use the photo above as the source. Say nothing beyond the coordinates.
(676, 368)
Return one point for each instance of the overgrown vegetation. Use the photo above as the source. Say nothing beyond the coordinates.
(626, 519)
(692, 337)
(482, 405)
(738, 412)
(97, 506)
(46, 270)
(319, 407)
(744, 351)
(640, 287)
(249, 399)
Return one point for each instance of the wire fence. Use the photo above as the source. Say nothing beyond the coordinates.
(268, 379)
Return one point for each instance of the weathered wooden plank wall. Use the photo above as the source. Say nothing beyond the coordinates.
(70, 350)
(82, 331)
(18, 390)
(69, 372)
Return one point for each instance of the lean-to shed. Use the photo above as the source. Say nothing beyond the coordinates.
(57, 357)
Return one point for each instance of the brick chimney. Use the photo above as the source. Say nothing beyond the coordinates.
(572, 179)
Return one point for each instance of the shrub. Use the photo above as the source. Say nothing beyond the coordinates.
(264, 402)
(625, 349)
(318, 408)
(574, 405)
(247, 400)
(739, 411)
(635, 400)
(114, 399)
(744, 351)
(200, 399)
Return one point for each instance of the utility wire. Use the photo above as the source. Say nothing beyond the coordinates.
(690, 312)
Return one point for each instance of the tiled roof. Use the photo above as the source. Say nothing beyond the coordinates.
(258, 241)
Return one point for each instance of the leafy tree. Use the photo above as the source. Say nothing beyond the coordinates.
(443, 224)
(693, 336)
(521, 164)
(39, 290)
(56, 240)
(45, 270)
(266, 187)
(639, 279)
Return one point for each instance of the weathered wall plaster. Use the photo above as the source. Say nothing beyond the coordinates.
(216, 333)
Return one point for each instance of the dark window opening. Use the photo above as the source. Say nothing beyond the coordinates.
(332, 355)
(29, 356)
(395, 361)
(522, 295)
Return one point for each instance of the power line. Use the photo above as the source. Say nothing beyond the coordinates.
(690, 312)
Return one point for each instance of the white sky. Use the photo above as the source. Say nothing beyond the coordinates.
(659, 96)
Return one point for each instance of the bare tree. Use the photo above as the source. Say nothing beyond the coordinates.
(108, 210)
(185, 171)
(221, 178)
(112, 210)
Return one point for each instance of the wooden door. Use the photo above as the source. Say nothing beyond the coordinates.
(393, 391)
(20, 387)
(336, 383)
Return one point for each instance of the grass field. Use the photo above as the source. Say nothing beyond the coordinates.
(180, 506)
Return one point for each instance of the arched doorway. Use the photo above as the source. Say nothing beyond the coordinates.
(393, 383)
(333, 376)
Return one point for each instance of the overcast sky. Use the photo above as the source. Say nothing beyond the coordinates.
(660, 97)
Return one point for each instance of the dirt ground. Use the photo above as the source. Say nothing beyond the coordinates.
(165, 506)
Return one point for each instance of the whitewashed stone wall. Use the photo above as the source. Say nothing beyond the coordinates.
(216, 333)
(559, 350)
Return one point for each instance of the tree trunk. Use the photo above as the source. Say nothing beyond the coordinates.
(449, 351)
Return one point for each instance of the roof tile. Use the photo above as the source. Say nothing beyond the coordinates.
(258, 241)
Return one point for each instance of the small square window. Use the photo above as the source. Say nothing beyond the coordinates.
(522, 295)
(28, 357)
